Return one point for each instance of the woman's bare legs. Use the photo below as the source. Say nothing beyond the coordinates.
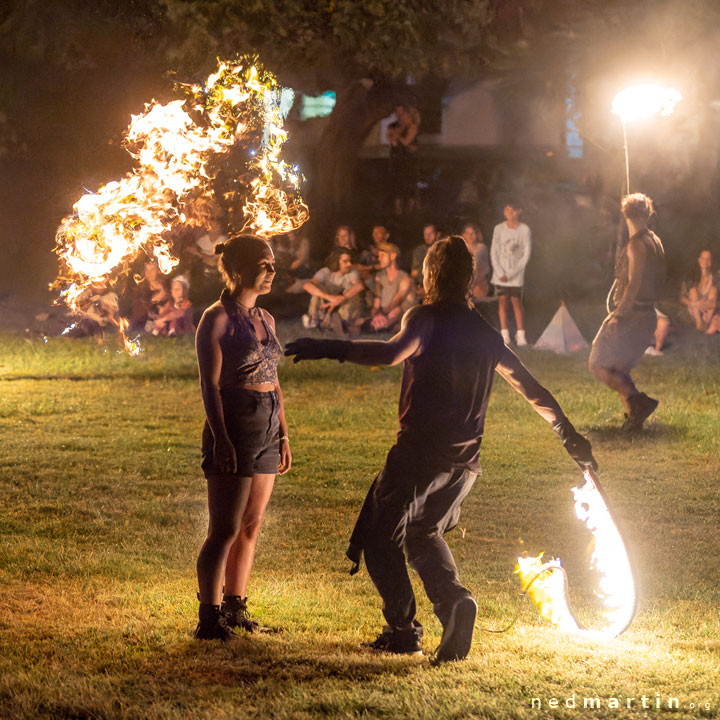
(697, 316)
(227, 500)
(242, 551)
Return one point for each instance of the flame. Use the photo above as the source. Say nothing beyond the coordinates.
(132, 345)
(178, 146)
(642, 101)
(545, 582)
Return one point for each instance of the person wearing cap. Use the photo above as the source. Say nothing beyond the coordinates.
(176, 315)
(394, 292)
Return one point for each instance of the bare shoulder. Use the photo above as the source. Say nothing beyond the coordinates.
(416, 315)
(637, 244)
(214, 320)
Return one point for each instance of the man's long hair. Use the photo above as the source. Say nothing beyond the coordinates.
(449, 267)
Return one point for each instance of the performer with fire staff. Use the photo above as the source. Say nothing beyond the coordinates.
(245, 440)
(629, 327)
(450, 354)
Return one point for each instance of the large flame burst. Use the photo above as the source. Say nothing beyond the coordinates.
(179, 147)
(545, 582)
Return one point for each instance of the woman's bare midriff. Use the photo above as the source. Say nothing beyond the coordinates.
(260, 387)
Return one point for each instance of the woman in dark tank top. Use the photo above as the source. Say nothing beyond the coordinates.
(245, 441)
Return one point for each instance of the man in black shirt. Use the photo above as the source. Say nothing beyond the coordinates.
(450, 355)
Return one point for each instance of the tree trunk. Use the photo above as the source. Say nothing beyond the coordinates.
(332, 198)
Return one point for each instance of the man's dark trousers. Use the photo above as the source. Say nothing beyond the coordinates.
(414, 502)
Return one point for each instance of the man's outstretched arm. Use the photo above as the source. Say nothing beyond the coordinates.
(521, 379)
(405, 343)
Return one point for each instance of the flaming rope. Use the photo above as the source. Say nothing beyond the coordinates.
(546, 583)
(178, 147)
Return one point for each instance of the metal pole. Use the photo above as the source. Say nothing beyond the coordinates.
(627, 159)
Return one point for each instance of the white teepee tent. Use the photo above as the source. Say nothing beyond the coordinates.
(561, 335)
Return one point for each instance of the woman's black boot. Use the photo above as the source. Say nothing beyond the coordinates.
(212, 624)
(234, 608)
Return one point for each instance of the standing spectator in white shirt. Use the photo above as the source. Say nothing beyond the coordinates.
(510, 252)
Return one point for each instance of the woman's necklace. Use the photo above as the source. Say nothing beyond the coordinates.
(251, 309)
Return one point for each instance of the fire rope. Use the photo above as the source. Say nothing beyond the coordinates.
(546, 582)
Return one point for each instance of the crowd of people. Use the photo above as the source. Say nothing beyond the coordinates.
(369, 289)
(359, 288)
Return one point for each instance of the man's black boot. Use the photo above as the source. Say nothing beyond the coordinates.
(404, 641)
(458, 633)
(641, 408)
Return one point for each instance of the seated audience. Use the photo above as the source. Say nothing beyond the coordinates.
(292, 255)
(367, 264)
(662, 328)
(430, 235)
(394, 290)
(336, 291)
(176, 315)
(98, 309)
(345, 239)
(148, 297)
(701, 297)
(474, 241)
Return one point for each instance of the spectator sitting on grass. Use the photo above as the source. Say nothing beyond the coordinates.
(336, 300)
(394, 291)
(148, 296)
(701, 298)
(430, 235)
(292, 254)
(98, 309)
(176, 315)
(369, 256)
(345, 239)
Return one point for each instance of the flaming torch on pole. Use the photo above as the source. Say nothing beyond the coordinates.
(638, 102)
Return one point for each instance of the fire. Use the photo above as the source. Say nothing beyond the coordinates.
(642, 101)
(178, 147)
(546, 584)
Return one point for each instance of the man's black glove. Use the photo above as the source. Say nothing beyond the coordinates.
(314, 349)
(578, 447)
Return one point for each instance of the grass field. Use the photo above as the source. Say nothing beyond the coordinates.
(102, 510)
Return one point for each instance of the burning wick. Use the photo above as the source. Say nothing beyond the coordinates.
(546, 582)
(639, 102)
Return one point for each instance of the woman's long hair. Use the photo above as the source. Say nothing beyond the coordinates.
(449, 268)
(697, 272)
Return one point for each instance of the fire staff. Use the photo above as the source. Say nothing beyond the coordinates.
(450, 354)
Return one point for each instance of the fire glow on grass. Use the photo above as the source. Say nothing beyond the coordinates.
(545, 582)
(178, 147)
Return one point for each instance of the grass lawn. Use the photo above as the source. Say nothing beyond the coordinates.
(102, 510)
